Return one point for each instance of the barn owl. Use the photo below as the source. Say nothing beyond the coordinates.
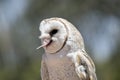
(65, 57)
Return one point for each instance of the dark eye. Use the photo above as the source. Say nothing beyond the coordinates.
(54, 31)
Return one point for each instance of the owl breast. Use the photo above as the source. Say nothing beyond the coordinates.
(61, 67)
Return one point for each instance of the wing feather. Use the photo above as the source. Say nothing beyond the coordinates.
(88, 65)
(84, 65)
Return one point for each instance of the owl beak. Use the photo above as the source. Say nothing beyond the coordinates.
(45, 43)
(45, 39)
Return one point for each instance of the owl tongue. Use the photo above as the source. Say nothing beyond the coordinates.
(45, 42)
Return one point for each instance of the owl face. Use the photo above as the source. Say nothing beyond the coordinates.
(53, 35)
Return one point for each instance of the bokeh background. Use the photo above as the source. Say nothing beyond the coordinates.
(97, 20)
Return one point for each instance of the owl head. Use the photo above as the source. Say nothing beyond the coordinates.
(58, 32)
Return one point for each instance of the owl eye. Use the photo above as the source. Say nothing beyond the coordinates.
(54, 31)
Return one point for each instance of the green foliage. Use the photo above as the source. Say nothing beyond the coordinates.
(22, 72)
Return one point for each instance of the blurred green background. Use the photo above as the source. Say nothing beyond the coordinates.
(97, 20)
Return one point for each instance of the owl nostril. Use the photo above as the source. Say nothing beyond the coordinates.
(44, 36)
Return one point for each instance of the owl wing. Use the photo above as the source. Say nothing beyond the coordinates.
(85, 66)
(44, 71)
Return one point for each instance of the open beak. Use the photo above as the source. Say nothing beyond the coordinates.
(45, 43)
